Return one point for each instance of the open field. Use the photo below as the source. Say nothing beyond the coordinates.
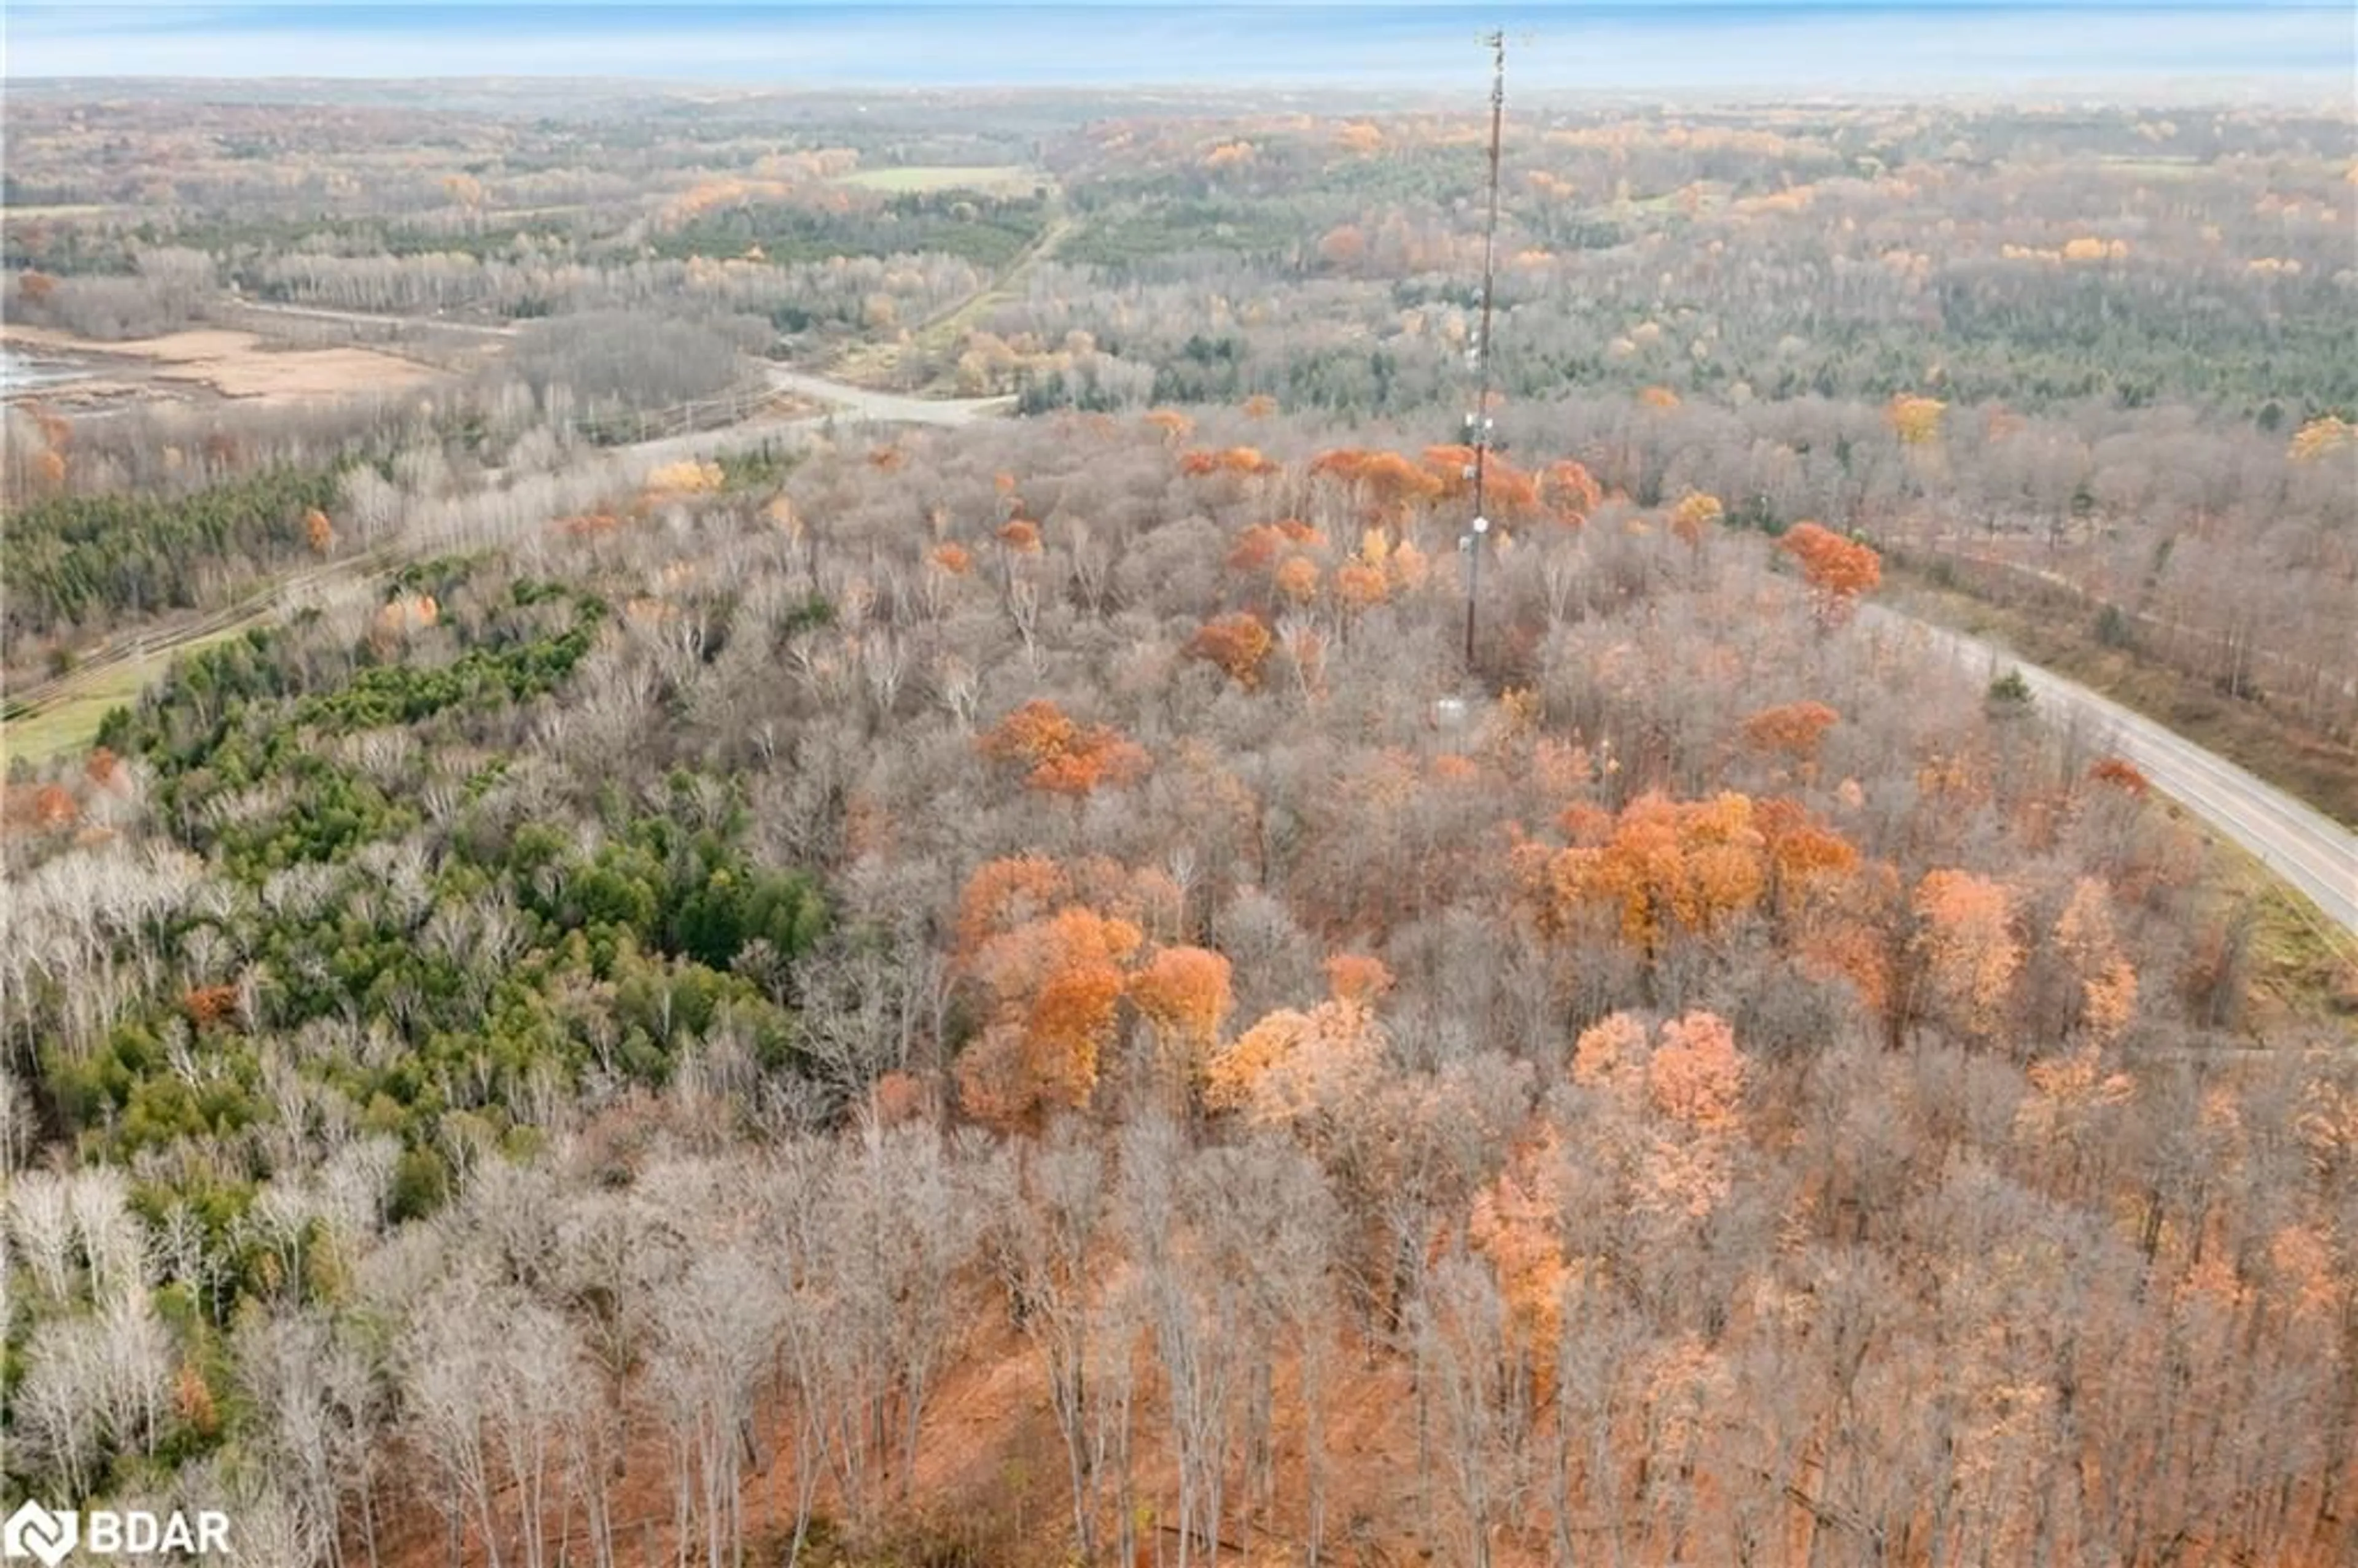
(68, 724)
(920, 176)
(239, 366)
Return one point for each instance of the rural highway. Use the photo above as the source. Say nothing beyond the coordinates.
(2308, 850)
(887, 408)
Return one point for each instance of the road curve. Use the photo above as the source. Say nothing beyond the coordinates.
(887, 407)
(2307, 849)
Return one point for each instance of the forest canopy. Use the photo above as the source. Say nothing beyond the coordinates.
(864, 882)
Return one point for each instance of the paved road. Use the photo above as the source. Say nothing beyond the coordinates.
(2305, 847)
(887, 408)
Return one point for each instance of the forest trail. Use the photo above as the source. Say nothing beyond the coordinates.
(2310, 852)
(944, 328)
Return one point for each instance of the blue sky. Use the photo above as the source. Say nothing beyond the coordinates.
(1856, 45)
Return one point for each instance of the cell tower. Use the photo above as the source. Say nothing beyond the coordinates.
(1478, 423)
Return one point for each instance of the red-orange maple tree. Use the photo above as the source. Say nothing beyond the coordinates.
(1061, 756)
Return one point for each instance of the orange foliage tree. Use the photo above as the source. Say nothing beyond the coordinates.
(210, 1005)
(1236, 644)
(1303, 1069)
(1257, 549)
(1915, 420)
(1837, 569)
(2068, 1093)
(1249, 461)
(1965, 944)
(1359, 585)
(1515, 1227)
(1801, 852)
(1694, 518)
(2120, 776)
(1678, 1097)
(1379, 569)
(1659, 865)
(1175, 426)
(1279, 551)
(1508, 492)
(1389, 485)
(1184, 994)
(1005, 894)
(1571, 492)
(1791, 730)
(1663, 867)
(1050, 986)
(2321, 437)
(1342, 247)
(1061, 756)
(1696, 1074)
(2108, 985)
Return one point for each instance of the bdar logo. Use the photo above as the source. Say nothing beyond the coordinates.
(35, 1531)
(52, 1535)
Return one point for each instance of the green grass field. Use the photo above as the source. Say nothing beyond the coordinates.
(909, 179)
(72, 722)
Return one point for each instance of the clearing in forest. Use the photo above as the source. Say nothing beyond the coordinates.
(1000, 178)
(231, 365)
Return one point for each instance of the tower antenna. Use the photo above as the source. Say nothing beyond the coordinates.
(1477, 423)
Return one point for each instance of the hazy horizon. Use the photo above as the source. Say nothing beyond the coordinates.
(1863, 46)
